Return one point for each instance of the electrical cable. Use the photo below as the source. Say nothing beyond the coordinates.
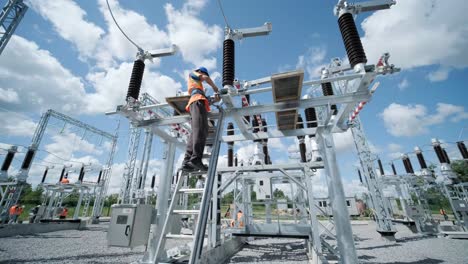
(222, 12)
(117, 24)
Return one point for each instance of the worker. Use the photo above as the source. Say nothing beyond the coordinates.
(443, 213)
(65, 180)
(64, 213)
(198, 107)
(240, 216)
(12, 214)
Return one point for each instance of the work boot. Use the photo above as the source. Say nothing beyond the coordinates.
(198, 165)
(187, 167)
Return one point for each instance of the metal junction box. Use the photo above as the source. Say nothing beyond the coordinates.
(129, 225)
(264, 188)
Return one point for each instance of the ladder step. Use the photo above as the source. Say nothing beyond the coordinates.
(191, 190)
(180, 236)
(186, 212)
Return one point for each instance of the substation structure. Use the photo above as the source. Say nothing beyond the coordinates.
(325, 114)
(56, 192)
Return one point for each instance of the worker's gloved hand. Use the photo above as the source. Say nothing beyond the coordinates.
(217, 98)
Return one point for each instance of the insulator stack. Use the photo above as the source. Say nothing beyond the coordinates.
(135, 80)
(28, 159)
(140, 180)
(62, 174)
(446, 156)
(440, 154)
(351, 39)
(311, 118)
(236, 161)
(461, 146)
(228, 62)
(8, 159)
(230, 132)
(407, 164)
(327, 90)
(80, 178)
(99, 177)
(265, 143)
(359, 174)
(393, 169)
(380, 167)
(421, 160)
(302, 146)
(44, 175)
(153, 180)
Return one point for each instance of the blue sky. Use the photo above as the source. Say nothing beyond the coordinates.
(69, 56)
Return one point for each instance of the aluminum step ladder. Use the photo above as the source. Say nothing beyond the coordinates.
(197, 238)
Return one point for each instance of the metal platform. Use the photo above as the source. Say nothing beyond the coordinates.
(287, 87)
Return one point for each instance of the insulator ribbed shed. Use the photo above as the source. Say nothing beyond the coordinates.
(99, 177)
(380, 167)
(461, 146)
(302, 146)
(327, 90)
(311, 118)
(62, 174)
(136, 79)
(153, 180)
(28, 159)
(359, 174)
(407, 164)
(8, 159)
(44, 175)
(393, 169)
(230, 132)
(351, 39)
(446, 157)
(228, 62)
(440, 154)
(421, 160)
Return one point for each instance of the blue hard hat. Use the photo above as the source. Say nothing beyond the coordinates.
(204, 70)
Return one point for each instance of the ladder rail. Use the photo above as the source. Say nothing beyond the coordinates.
(207, 194)
(164, 230)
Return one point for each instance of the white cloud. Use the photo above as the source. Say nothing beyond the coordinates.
(15, 125)
(197, 41)
(440, 75)
(403, 84)
(438, 34)
(40, 80)
(111, 87)
(115, 46)
(69, 20)
(394, 147)
(343, 141)
(413, 120)
(312, 61)
(8, 95)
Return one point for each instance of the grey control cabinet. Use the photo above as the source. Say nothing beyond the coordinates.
(129, 225)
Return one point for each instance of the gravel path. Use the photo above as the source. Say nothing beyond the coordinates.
(89, 246)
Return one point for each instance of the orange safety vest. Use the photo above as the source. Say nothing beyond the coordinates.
(13, 210)
(65, 181)
(64, 212)
(194, 82)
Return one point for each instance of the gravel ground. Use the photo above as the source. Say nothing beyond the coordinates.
(272, 251)
(89, 246)
(409, 248)
(68, 246)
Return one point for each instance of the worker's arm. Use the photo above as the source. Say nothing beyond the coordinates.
(208, 80)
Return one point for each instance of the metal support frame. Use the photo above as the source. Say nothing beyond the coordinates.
(10, 17)
(382, 212)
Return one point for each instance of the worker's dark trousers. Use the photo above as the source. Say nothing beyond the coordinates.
(197, 140)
